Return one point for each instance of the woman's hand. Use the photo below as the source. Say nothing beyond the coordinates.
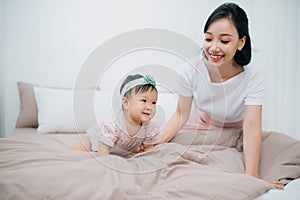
(276, 184)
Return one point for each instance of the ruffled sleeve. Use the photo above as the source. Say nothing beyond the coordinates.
(109, 134)
(106, 132)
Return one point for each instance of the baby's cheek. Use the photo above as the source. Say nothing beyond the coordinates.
(153, 112)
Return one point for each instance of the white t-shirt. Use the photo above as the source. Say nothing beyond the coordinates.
(223, 102)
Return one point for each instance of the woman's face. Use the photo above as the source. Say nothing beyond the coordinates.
(221, 42)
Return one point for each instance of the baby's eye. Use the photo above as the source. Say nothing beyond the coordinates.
(144, 100)
(154, 102)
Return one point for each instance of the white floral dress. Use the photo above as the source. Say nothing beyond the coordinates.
(114, 134)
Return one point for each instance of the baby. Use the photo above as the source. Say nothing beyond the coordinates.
(132, 130)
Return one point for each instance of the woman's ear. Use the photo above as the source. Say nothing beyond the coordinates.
(242, 43)
(125, 103)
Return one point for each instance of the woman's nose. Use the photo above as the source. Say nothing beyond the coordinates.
(214, 46)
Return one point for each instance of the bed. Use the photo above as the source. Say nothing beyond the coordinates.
(37, 163)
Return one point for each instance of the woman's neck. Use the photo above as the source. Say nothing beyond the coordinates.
(223, 73)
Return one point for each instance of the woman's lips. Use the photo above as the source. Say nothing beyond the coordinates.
(215, 58)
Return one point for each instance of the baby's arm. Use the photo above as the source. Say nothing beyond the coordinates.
(103, 149)
(146, 147)
(82, 144)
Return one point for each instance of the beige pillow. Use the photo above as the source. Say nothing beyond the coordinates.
(28, 115)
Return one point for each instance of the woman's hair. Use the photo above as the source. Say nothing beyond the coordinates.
(239, 18)
(138, 88)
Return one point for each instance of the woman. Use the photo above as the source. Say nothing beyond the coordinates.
(222, 86)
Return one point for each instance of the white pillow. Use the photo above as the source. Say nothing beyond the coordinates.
(166, 107)
(66, 110)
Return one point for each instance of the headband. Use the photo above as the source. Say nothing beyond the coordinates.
(140, 81)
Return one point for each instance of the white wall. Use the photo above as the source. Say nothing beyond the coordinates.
(47, 42)
(276, 35)
(2, 69)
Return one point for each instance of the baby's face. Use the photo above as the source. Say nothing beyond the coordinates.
(142, 106)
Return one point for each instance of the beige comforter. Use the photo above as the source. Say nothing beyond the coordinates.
(41, 166)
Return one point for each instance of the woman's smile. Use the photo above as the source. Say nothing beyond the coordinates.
(215, 57)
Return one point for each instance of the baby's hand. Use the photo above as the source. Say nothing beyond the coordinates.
(139, 149)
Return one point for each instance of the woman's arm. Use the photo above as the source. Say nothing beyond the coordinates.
(252, 131)
(178, 119)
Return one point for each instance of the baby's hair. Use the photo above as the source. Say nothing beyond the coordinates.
(138, 88)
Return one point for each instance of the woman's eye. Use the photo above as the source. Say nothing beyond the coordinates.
(208, 39)
(224, 41)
